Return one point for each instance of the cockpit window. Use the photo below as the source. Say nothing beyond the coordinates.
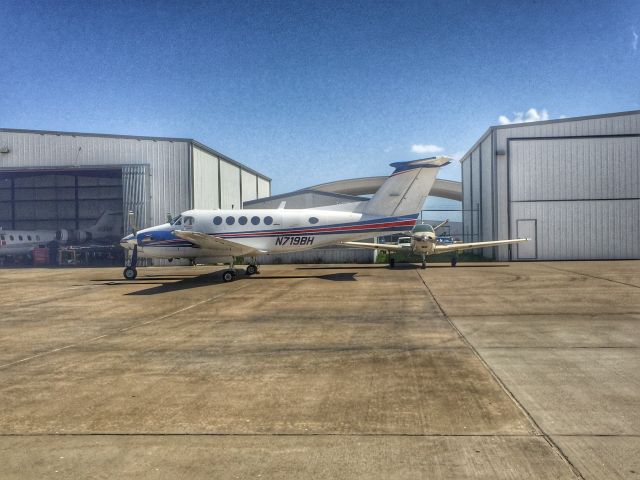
(177, 220)
(422, 227)
(188, 221)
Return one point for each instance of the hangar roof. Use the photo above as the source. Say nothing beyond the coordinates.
(545, 122)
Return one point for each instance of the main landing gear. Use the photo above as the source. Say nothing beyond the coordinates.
(424, 261)
(231, 274)
(454, 261)
(130, 272)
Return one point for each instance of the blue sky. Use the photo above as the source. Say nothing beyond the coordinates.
(308, 92)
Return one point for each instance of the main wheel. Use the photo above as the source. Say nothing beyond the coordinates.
(454, 261)
(229, 276)
(130, 273)
(252, 269)
(392, 262)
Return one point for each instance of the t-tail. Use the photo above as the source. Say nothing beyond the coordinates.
(406, 190)
(108, 225)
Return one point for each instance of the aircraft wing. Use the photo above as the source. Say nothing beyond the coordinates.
(378, 246)
(454, 247)
(211, 242)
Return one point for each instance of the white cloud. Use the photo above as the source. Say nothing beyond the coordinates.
(634, 45)
(426, 148)
(531, 115)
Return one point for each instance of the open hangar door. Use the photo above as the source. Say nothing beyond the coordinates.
(575, 197)
(83, 206)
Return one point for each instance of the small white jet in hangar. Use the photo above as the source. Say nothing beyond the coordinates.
(22, 242)
(214, 236)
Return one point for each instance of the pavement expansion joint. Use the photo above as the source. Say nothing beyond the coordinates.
(538, 430)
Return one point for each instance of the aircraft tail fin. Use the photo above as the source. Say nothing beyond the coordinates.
(406, 190)
(109, 224)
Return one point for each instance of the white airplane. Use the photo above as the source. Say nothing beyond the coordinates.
(213, 236)
(22, 242)
(424, 241)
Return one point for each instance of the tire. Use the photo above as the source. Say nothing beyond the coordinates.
(454, 262)
(228, 276)
(252, 270)
(130, 273)
(392, 262)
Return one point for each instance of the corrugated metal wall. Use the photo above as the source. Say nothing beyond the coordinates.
(229, 186)
(264, 188)
(592, 229)
(527, 162)
(582, 192)
(167, 162)
(135, 195)
(466, 202)
(206, 183)
(249, 186)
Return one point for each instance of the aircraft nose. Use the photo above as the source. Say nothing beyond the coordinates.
(128, 241)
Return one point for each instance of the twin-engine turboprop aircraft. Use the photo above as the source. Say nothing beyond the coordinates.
(222, 235)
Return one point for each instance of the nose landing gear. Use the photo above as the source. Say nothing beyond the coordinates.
(130, 272)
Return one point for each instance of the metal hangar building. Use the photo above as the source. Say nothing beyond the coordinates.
(571, 185)
(63, 180)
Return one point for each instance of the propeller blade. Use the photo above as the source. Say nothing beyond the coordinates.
(169, 217)
(440, 225)
(132, 222)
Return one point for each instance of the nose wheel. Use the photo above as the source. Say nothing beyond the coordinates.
(130, 273)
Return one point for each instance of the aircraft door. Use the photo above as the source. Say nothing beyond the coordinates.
(526, 250)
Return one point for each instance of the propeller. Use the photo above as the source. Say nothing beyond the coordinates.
(133, 223)
(169, 217)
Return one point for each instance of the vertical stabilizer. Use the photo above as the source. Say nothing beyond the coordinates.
(108, 225)
(406, 190)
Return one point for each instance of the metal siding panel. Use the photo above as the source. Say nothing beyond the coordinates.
(584, 230)
(230, 186)
(205, 180)
(475, 195)
(466, 198)
(568, 169)
(249, 186)
(264, 188)
(167, 161)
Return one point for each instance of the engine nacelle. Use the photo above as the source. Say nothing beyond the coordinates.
(62, 236)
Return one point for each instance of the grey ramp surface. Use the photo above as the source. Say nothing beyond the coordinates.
(318, 457)
(603, 457)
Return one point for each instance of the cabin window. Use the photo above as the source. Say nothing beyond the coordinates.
(19, 237)
(268, 220)
(242, 220)
(38, 237)
(255, 220)
(1, 237)
(313, 220)
(217, 220)
(188, 221)
(29, 237)
(10, 237)
(231, 220)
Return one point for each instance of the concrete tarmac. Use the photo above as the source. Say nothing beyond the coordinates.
(522, 370)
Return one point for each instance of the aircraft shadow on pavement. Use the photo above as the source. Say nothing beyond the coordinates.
(165, 284)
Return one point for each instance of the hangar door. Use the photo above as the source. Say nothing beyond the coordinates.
(582, 194)
(71, 199)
